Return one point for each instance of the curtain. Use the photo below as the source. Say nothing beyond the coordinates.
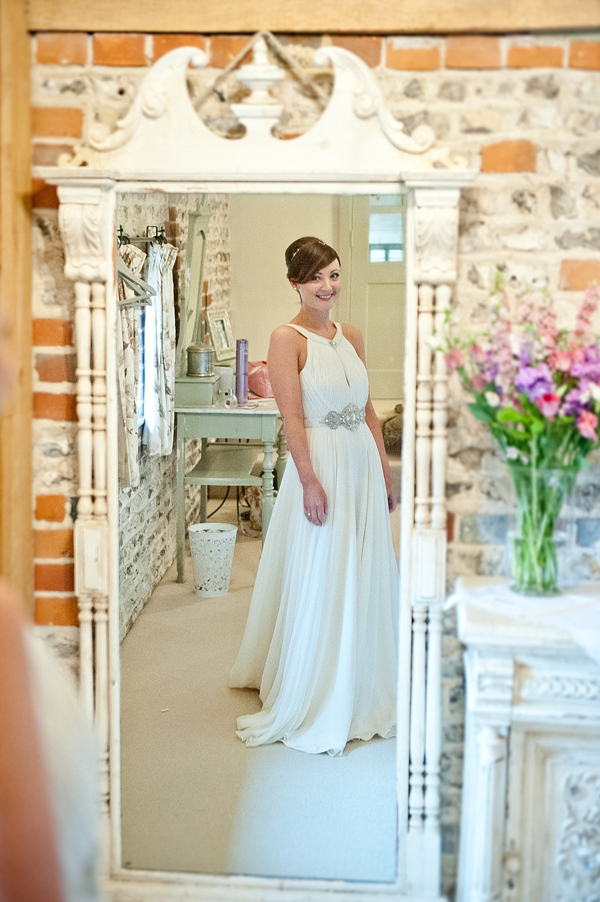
(159, 388)
(127, 372)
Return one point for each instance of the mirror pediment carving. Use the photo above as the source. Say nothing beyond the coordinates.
(355, 132)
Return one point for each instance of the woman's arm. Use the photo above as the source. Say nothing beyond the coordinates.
(284, 374)
(29, 866)
(354, 336)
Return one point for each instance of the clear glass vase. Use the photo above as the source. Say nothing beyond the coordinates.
(540, 548)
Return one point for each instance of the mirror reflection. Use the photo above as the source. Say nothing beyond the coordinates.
(202, 272)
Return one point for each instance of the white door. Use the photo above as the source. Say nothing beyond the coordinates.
(375, 283)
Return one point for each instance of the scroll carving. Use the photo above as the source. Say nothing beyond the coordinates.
(152, 98)
(368, 101)
(578, 863)
(82, 230)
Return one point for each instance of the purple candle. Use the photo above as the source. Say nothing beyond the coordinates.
(241, 371)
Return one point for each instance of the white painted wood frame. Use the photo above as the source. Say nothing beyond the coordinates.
(355, 148)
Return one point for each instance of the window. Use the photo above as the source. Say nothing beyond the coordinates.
(385, 229)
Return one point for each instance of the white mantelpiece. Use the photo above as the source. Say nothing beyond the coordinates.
(530, 825)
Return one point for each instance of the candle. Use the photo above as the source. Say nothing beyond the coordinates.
(241, 371)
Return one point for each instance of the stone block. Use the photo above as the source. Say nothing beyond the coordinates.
(484, 529)
(456, 91)
(526, 240)
(579, 238)
(545, 86)
(562, 201)
(588, 531)
(590, 163)
(481, 121)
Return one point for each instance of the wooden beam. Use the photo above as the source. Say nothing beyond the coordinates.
(16, 505)
(313, 16)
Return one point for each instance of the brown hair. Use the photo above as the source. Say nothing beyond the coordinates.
(306, 256)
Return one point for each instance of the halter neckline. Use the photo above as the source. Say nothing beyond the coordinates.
(329, 341)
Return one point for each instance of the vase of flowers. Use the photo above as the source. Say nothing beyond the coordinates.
(537, 388)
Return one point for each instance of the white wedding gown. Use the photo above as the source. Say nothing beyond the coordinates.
(321, 638)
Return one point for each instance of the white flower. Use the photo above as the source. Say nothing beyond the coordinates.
(594, 390)
(492, 398)
(512, 453)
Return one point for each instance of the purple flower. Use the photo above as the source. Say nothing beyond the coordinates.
(535, 381)
(574, 402)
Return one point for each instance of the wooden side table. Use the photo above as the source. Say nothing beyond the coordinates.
(227, 464)
(531, 788)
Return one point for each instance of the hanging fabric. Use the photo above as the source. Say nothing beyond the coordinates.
(127, 371)
(159, 387)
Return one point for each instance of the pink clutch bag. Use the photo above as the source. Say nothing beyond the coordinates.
(258, 379)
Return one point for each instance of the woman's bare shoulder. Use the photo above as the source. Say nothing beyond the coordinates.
(285, 336)
(353, 334)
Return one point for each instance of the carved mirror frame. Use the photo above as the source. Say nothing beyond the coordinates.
(356, 147)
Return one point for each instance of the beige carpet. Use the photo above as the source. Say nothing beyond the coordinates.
(194, 798)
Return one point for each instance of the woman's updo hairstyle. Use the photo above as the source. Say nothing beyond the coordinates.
(306, 256)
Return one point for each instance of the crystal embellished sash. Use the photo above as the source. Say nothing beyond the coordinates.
(351, 417)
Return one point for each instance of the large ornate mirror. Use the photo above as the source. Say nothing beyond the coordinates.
(355, 151)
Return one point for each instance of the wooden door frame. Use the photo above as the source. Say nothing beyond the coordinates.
(16, 503)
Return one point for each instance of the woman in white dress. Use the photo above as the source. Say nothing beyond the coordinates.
(321, 638)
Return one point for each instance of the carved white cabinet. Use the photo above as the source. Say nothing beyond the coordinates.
(530, 827)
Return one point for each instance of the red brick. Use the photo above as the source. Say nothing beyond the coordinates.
(55, 367)
(47, 406)
(584, 55)
(509, 156)
(52, 508)
(368, 49)
(450, 526)
(53, 543)
(163, 43)
(119, 49)
(225, 47)
(43, 195)
(412, 58)
(65, 48)
(56, 612)
(54, 577)
(539, 56)
(56, 122)
(576, 275)
(48, 154)
(472, 52)
(52, 332)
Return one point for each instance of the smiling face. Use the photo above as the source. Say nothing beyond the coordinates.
(322, 289)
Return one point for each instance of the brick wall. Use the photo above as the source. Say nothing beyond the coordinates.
(147, 527)
(528, 105)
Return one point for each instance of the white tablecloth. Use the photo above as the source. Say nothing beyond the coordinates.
(576, 611)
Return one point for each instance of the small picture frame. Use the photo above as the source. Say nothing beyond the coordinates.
(221, 335)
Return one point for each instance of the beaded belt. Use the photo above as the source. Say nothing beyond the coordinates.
(351, 417)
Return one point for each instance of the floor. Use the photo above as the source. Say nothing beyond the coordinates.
(194, 798)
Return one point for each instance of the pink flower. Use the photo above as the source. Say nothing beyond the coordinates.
(548, 405)
(587, 424)
(454, 358)
(478, 383)
(562, 361)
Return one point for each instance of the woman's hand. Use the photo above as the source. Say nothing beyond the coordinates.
(315, 503)
(391, 496)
